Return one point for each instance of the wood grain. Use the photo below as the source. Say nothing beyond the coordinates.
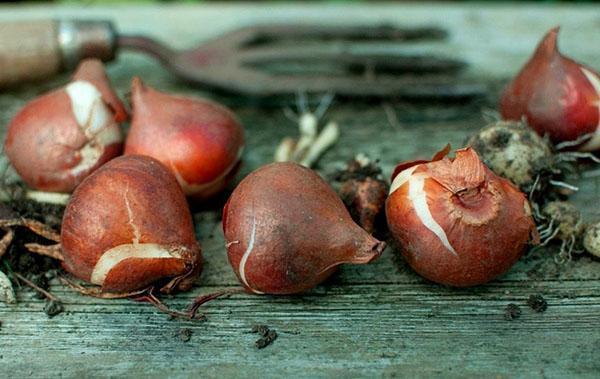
(376, 320)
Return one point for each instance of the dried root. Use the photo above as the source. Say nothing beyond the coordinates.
(561, 221)
(6, 240)
(37, 288)
(312, 144)
(148, 295)
(37, 227)
(97, 291)
(48, 197)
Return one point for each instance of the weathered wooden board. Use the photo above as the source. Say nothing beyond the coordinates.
(375, 320)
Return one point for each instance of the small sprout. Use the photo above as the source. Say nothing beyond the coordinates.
(591, 239)
(311, 144)
(327, 138)
(48, 197)
(308, 125)
(7, 293)
(285, 150)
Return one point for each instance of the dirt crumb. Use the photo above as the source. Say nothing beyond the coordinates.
(185, 334)
(537, 303)
(53, 308)
(511, 312)
(267, 335)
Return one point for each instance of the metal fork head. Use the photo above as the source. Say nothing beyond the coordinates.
(280, 60)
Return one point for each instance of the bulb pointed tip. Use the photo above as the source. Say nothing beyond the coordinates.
(371, 250)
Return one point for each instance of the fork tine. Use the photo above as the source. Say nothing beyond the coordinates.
(369, 87)
(344, 57)
(255, 84)
(262, 34)
(383, 32)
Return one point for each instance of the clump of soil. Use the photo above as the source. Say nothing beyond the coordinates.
(53, 308)
(512, 312)
(363, 190)
(537, 303)
(185, 334)
(48, 213)
(267, 335)
(18, 259)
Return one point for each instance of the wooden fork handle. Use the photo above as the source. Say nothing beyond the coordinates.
(37, 50)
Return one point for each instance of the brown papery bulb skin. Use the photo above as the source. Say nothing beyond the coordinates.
(557, 96)
(200, 141)
(287, 231)
(128, 226)
(61, 137)
(457, 223)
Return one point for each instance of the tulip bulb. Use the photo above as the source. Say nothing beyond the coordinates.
(128, 226)
(591, 239)
(515, 152)
(200, 141)
(456, 222)
(558, 96)
(287, 231)
(61, 137)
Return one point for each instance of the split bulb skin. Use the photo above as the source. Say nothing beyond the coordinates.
(201, 141)
(92, 70)
(128, 226)
(287, 231)
(458, 224)
(59, 138)
(557, 95)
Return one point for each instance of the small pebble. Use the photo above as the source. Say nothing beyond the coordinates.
(537, 303)
(511, 312)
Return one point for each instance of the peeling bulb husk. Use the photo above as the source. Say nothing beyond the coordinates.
(128, 226)
(287, 231)
(201, 141)
(59, 138)
(557, 96)
(457, 223)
